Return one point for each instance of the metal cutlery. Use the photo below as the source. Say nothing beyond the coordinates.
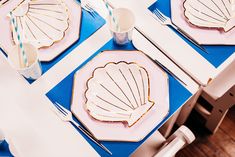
(140, 46)
(66, 116)
(169, 72)
(164, 20)
(88, 7)
(165, 69)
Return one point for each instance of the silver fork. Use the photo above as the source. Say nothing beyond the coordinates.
(164, 20)
(88, 7)
(66, 116)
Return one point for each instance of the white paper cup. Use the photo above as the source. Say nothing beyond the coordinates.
(34, 70)
(126, 22)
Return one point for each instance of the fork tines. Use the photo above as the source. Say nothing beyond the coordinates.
(160, 15)
(91, 10)
(61, 108)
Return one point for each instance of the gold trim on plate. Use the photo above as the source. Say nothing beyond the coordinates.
(203, 27)
(74, 79)
(116, 64)
(68, 21)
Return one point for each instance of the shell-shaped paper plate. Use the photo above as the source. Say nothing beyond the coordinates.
(158, 93)
(118, 92)
(211, 13)
(41, 22)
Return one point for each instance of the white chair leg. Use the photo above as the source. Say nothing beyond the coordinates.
(219, 111)
(182, 137)
(165, 148)
(220, 108)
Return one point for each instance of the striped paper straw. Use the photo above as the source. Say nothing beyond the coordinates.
(111, 15)
(19, 39)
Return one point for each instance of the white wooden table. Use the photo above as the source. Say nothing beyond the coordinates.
(25, 114)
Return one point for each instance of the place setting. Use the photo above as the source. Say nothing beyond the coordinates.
(119, 94)
(87, 79)
(208, 26)
(52, 29)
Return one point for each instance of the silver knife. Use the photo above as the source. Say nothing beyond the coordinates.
(187, 36)
(138, 47)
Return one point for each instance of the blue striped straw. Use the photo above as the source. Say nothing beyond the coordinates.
(111, 15)
(19, 39)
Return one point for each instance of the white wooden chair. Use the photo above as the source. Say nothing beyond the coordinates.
(214, 92)
(156, 145)
(220, 93)
(220, 108)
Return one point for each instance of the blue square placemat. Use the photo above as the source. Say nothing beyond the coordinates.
(217, 54)
(62, 94)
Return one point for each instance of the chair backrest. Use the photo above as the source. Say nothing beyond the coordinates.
(224, 81)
